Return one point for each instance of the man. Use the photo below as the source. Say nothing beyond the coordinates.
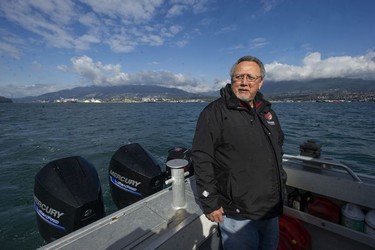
(237, 157)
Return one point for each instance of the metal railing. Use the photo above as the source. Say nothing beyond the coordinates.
(323, 164)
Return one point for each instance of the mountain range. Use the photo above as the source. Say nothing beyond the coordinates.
(318, 86)
(269, 88)
(107, 92)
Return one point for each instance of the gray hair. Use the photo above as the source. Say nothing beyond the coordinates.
(249, 59)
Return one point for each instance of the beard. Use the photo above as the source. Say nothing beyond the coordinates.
(248, 99)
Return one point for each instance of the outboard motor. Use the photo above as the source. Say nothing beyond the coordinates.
(310, 148)
(133, 175)
(180, 153)
(67, 196)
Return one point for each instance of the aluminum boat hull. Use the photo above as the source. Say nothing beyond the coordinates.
(153, 223)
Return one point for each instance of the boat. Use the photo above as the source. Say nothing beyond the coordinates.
(321, 194)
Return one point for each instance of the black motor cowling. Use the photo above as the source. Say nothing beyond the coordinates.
(67, 196)
(133, 175)
(310, 148)
(180, 153)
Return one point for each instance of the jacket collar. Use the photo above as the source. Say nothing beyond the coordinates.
(232, 102)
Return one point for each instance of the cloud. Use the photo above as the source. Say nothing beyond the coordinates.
(11, 50)
(176, 10)
(97, 73)
(37, 65)
(10, 44)
(268, 5)
(63, 68)
(178, 7)
(121, 24)
(314, 67)
(128, 11)
(17, 91)
(46, 19)
(257, 43)
(226, 29)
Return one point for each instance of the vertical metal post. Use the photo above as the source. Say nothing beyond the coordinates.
(178, 182)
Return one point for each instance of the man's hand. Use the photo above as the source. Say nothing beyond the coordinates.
(216, 216)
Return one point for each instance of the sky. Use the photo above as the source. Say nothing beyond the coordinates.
(49, 45)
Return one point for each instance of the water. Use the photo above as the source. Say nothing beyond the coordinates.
(31, 135)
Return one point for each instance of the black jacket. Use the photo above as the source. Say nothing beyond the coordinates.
(237, 157)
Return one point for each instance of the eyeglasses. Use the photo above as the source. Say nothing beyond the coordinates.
(247, 77)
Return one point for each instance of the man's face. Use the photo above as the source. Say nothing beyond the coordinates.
(246, 80)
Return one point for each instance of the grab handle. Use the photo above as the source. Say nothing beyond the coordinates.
(324, 164)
